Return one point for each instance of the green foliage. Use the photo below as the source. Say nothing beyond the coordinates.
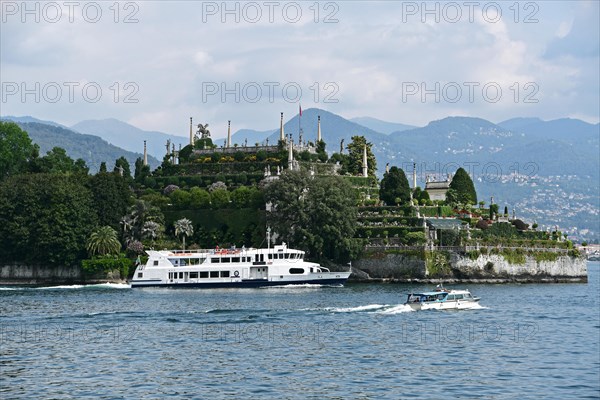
(103, 241)
(355, 157)
(184, 228)
(185, 153)
(516, 256)
(45, 218)
(462, 183)
(100, 265)
(181, 199)
(202, 144)
(394, 185)
(493, 210)
(16, 149)
(220, 198)
(545, 256)
(437, 264)
(122, 162)
(199, 198)
(141, 171)
(56, 161)
(317, 215)
(110, 196)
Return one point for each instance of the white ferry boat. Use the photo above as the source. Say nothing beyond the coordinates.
(442, 299)
(237, 268)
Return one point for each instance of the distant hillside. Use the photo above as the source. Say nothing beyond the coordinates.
(32, 119)
(334, 128)
(565, 129)
(129, 137)
(251, 136)
(381, 126)
(92, 149)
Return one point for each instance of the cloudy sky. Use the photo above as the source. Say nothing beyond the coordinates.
(154, 64)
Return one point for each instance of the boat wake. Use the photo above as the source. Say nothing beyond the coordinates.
(94, 286)
(369, 307)
(399, 309)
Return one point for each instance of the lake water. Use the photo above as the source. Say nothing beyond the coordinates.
(109, 341)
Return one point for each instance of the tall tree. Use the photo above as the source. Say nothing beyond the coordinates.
(462, 183)
(316, 215)
(45, 218)
(184, 228)
(16, 149)
(122, 162)
(355, 156)
(394, 188)
(111, 197)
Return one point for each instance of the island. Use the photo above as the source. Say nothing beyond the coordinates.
(60, 224)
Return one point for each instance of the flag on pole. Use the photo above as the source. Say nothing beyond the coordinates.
(300, 105)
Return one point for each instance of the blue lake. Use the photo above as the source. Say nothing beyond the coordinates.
(109, 341)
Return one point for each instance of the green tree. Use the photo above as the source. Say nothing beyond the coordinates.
(199, 198)
(122, 162)
(181, 199)
(452, 197)
(103, 241)
(102, 167)
(184, 228)
(462, 183)
(220, 198)
(493, 210)
(242, 197)
(16, 149)
(316, 215)
(321, 152)
(355, 156)
(56, 161)
(45, 218)
(141, 171)
(111, 197)
(393, 186)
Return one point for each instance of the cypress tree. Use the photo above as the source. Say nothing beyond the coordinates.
(462, 183)
(394, 185)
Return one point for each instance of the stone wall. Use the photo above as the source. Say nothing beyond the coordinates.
(411, 266)
(18, 274)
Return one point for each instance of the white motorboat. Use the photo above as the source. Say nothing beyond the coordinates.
(442, 299)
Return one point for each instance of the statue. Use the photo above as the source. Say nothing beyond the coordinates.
(203, 131)
(341, 146)
(168, 145)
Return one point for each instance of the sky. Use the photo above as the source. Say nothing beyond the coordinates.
(156, 64)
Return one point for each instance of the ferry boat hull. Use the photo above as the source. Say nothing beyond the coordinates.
(339, 280)
(232, 268)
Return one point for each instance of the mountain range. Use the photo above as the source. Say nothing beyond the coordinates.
(547, 171)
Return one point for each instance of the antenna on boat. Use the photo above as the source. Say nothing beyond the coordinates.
(269, 238)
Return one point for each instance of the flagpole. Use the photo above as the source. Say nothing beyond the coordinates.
(299, 119)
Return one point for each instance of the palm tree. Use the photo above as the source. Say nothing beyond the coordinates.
(151, 230)
(103, 241)
(184, 227)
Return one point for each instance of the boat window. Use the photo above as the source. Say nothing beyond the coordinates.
(193, 275)
(183, 262)
(235, 259)
(225, 259)
(214, 274)
(286, 255)
(215, 260)
(459, 296)
(203, 274)
(181, 275)
(155, 263)
(173, 261)
(296, 270)
(468, 295)
(270, 256)
(140, 274)
(224, 274)
(450, 297)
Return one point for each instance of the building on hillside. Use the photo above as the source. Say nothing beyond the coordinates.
(436, 187)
